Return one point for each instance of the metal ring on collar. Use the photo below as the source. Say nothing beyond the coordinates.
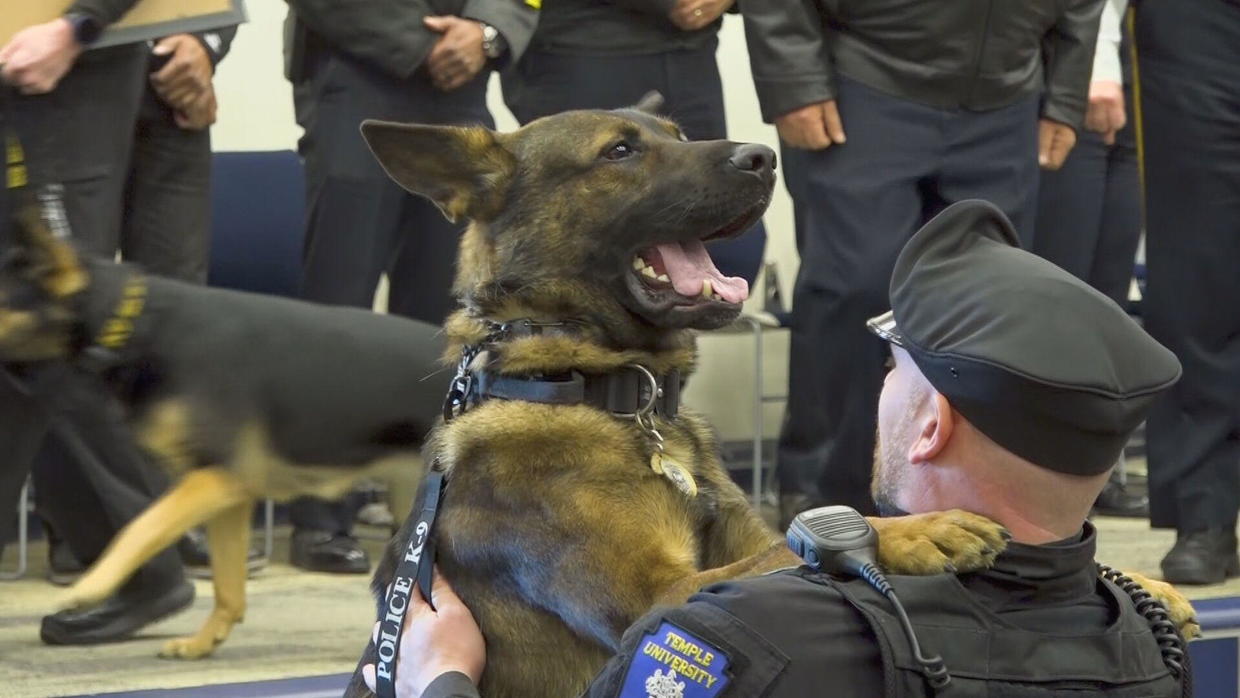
(655, 392)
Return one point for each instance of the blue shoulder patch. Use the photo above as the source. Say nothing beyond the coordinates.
(673, 663)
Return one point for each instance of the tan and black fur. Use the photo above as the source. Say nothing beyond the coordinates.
(554, 529)
(238, 396)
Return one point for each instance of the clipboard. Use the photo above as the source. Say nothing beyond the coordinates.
(148, 19)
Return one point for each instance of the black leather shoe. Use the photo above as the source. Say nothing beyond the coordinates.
(1118, 500)
(1202, 557)
(196, 556)
(116, 619)
(320, 551)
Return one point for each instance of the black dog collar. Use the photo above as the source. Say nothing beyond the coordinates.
(105, 344)
(630, 391)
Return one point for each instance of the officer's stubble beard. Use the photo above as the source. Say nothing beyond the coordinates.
(891, 467)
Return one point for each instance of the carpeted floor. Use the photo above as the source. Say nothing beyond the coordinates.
(298, 624)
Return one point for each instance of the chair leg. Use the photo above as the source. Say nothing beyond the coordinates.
(269, 513)
(23, 535)
(757, 413)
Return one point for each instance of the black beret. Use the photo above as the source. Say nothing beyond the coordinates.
(1040, 362)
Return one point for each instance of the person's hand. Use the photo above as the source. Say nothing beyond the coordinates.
(37, 57)
(185, 79)
(457, 56)
(197, 114)
(434, 642)
(813, 127)
(1105, 114)
(691, 15)
(1055, 141)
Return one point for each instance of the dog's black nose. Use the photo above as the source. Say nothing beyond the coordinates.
(752, 157)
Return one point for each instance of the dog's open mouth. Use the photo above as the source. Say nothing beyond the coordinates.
(684, 273)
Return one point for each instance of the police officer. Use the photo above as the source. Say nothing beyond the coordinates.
(1188, 56)
(422, 61)
(1014, 386)
(587, 54)
(1089, 210)
(886, 113)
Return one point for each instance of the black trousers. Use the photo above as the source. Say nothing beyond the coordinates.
(359, 223)
(547, 83)
(1089, 213)
(1189, 64)
(856, 205)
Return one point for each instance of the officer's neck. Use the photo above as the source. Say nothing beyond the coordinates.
(1030, 518)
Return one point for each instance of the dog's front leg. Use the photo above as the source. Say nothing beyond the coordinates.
(228, 538)
(200, 495)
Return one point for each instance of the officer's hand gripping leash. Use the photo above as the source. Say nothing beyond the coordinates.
(838, 540)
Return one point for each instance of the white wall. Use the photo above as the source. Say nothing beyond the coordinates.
(256, 113)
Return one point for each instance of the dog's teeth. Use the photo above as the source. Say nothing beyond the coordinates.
(664, 277)
(706, 289)
(638, 264)
(649, 271)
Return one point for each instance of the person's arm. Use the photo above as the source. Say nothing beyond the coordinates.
(217, 42)
(1106, 52)
(37, 57)
(515, 20)
(788, 54)
(453, 684)
(1070, 48)
(391, 36)
(104, 11)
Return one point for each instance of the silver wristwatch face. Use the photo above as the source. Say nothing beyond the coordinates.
(489, 44)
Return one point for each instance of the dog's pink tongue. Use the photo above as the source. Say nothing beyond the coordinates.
(688, 264)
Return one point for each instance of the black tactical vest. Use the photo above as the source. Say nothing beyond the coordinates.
(989, 657)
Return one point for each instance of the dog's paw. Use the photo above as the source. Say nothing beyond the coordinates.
(944, 541)
(191, 647)
(1178, 608)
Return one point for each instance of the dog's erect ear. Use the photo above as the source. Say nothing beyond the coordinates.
(464, 170)
(651, 103)
(54, 263)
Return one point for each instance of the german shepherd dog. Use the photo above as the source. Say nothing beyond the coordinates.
(557, 527)
(239, 396)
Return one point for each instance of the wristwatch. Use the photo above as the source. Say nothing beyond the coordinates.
(86, 29)
(493, 44)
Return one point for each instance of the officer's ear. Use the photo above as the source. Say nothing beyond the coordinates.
(465, 171)
(935, 423)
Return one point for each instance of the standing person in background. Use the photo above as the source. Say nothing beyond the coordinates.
(401, 61)
(591, 55)
(887, 112)
(115, 139)
(1089, 210)
(1188, 67)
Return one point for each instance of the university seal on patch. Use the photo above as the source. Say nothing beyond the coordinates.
(673, 663)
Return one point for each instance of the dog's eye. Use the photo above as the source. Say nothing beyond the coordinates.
(620, 151)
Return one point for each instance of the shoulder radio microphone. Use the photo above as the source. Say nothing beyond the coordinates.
(837, 540)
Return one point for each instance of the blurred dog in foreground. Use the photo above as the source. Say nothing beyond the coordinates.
(238, 396)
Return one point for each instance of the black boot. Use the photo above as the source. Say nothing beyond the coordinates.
(320, 551)
(1117, 499)
(1202, 557)
(116, 619)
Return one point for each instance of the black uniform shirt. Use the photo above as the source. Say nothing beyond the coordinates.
(784, 634)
